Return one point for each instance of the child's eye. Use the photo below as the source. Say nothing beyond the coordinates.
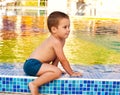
(66, 27)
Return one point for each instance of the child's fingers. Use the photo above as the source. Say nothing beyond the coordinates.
(77, 74)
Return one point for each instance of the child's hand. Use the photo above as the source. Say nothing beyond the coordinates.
(76, 74)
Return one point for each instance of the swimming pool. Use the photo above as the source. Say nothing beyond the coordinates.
(21, 34)
(96, 54)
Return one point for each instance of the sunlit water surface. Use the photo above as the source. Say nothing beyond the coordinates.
(92, 41)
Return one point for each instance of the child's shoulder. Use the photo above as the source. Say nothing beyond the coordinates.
(55, 41)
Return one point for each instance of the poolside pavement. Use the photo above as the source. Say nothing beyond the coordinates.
(90, 73)
(97, 71)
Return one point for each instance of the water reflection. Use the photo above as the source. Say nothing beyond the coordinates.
(19, 35)
(103, 31)
(8, 28)
(92, 41)
(13, 26)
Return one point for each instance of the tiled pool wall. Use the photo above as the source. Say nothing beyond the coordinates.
(62, 86)
(96, 80)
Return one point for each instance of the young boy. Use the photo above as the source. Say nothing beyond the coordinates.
(44, 60)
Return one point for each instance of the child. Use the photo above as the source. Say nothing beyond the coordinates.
(44, 60)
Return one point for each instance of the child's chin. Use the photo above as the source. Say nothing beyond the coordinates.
(66, 36)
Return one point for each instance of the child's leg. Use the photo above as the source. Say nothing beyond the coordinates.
(46, 73)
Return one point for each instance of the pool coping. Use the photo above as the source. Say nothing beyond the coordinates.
(63, 85)
(61, 78)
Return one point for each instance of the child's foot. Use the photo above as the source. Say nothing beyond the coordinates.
(33, 89)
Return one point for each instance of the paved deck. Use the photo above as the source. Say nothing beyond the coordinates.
(89, 72)
(96, 80)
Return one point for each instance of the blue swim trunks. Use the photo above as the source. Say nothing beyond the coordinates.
(32, 66)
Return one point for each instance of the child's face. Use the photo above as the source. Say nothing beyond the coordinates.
(63, 29)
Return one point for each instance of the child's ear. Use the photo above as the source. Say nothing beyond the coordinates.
(53, 29)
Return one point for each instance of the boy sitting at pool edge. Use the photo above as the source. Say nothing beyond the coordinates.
(44, 60)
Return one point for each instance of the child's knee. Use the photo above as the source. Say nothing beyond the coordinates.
(58, 72)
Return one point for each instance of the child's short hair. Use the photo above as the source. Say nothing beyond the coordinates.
(54, 17)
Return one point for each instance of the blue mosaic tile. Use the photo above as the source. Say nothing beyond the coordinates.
(94, 82)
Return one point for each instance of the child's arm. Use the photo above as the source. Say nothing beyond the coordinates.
(55, 62)
(58, 48)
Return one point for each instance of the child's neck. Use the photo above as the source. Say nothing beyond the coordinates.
(57, 37)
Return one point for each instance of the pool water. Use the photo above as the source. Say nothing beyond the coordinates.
(90, 42)
(20, 35)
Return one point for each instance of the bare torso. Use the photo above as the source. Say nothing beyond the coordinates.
(45, 52)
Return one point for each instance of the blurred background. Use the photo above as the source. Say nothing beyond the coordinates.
(95, 29)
